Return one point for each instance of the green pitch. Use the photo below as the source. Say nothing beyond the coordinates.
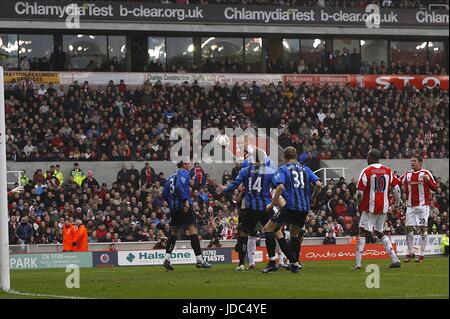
(323, 279)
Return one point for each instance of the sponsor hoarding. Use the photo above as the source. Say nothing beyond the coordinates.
(102, 11)
(179, 256)
(51, 260)
(369, 81)
(37, 77)
(104, 258)
(433, 245)
(342, 252)
(210, 79)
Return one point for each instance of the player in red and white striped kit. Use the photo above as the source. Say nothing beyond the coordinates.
(374, 187)
(417, 184)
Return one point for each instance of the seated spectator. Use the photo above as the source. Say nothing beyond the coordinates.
(330, 239)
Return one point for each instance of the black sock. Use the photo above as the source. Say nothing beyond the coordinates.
(287, 250)
(171, 244)
(195, 243)
(295, 247)
(242, 249)
(270, 244)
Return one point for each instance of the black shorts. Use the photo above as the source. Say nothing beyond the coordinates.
(249, 219)
(179, 218)
(291, 217)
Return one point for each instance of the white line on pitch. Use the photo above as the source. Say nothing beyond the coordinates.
(13, 292)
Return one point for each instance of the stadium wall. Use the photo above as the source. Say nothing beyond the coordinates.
(107, 171)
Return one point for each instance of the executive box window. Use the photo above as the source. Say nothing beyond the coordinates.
(408, 53)
(35, 51)
(85, 52)
(117, 53)
(156, 53)
(312, 50)
(291, 50)
(438, 56)
(222, 54)
(374, 54)
(347, 55)
(9, 46)
(180, 53)
(253, 55)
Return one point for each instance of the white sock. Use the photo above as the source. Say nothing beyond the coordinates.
(251, 249)
(359, 251)
(199, 258)
(423, 243)
(168, 256)
(280, 258)
(410, 242)
(388, 246)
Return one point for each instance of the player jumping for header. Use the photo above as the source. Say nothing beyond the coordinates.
(293, 181)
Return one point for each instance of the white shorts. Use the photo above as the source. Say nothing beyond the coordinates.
(370, 222)
(417, 216)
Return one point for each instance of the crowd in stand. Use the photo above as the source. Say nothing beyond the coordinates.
(410, 4)
(338, 62)
(116, 123)
(132, 208)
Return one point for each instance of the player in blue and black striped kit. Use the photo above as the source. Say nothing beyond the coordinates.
(294, 181)
(177, 194)
(257, 177)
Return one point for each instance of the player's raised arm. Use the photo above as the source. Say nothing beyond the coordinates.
(238, 181)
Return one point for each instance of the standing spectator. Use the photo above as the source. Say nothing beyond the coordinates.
(444, 244)
(81, 237)
(12, 226)
(77, 174)
(199, 176)
(148, 176)
(58, 60)
(24, 232)
(24, 64)
(90, 181)
(122, 175)
(68, 235)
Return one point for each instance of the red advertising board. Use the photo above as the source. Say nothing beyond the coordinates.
(342, 252)
(327, 252)
(369, 81)
(400, 81)
(317, 79)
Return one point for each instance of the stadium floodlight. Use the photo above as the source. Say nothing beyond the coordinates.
(4, 240)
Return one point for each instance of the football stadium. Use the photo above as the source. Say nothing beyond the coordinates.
(224, 149)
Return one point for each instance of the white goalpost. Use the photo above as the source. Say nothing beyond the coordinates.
(4, 238)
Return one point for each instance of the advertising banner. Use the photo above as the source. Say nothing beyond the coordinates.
(104, 258)
(260, 255)
(203, 79)
(56, 260)
(342, 252)
(179, 256)
(433, 245)
(102, 11)
(260, 79)
(37, 77)
(400, 81)
(317, 79)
